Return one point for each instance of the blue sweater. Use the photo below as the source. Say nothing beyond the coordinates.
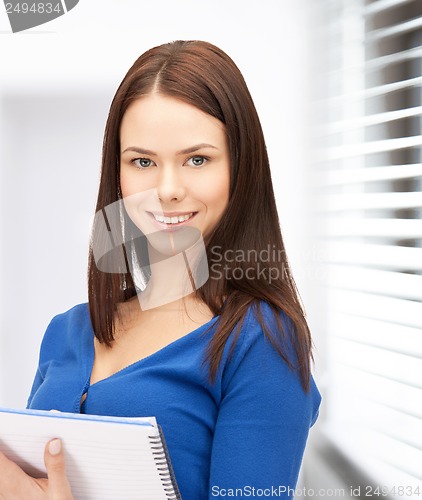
(248, 430)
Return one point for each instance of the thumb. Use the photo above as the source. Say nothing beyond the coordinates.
(58, 484)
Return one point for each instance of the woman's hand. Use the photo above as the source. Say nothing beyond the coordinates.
(15, 484)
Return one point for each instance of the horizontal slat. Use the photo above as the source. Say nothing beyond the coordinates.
(389, 393)
(382, 474)
(370, 174)
(401, 285)
(371, 201)
(368, 121)
(371, 450)
(388, 450)
(373, 91)
(383, 228)
(389, 336)
(384, 256)
(338, 72)
(398, 29)
(398, 367)
(382, 5)
(397, 425)
(366, 148)
(397, 57)
(399, 311)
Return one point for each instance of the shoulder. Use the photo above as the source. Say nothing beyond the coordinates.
(77, 311)
(65, 330)
(249, 343)
(74, 317)
(262, 320)
(261, 312)
(258, 371)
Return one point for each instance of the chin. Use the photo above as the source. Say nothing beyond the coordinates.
(172, 242)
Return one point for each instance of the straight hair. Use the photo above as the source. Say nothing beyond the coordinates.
(201, 74)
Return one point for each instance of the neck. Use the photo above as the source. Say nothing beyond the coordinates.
(173, 277)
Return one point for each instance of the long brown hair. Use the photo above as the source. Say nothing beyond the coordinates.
(201, 74)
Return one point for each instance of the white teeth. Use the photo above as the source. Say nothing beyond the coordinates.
(173, 220)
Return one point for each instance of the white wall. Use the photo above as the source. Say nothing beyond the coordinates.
(56, 84)
(50, 162)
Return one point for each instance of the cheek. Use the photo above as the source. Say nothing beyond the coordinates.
(217, 201)
(126, 186)
(131, 183)
(213, 192)
(218, 197)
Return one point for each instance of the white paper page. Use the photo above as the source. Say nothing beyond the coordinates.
(105, 459)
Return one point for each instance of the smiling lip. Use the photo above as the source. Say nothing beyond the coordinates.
(166, 225)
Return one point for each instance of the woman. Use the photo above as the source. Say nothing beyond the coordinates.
(193, 316)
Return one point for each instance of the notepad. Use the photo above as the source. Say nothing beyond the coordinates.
(107, 458)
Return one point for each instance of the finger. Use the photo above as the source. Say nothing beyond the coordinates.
(8, 471)
(13, 481)
(58, 484)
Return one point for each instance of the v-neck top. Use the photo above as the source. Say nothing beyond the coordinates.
(247, 430)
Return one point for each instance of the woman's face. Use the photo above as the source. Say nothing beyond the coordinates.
(174, 165)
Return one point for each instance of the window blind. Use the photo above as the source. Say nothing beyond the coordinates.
(368, 197)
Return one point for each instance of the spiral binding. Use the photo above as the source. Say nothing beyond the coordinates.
(164, 467)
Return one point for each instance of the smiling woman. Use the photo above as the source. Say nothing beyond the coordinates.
(221, 359)
(196, 186)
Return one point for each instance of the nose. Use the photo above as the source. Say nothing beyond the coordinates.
(169, 186)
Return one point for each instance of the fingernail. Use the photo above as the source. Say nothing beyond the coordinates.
(55, 447)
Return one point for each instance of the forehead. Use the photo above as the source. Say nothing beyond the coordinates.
(153, 119)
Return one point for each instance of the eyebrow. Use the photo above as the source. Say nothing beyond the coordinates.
(186, 151)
